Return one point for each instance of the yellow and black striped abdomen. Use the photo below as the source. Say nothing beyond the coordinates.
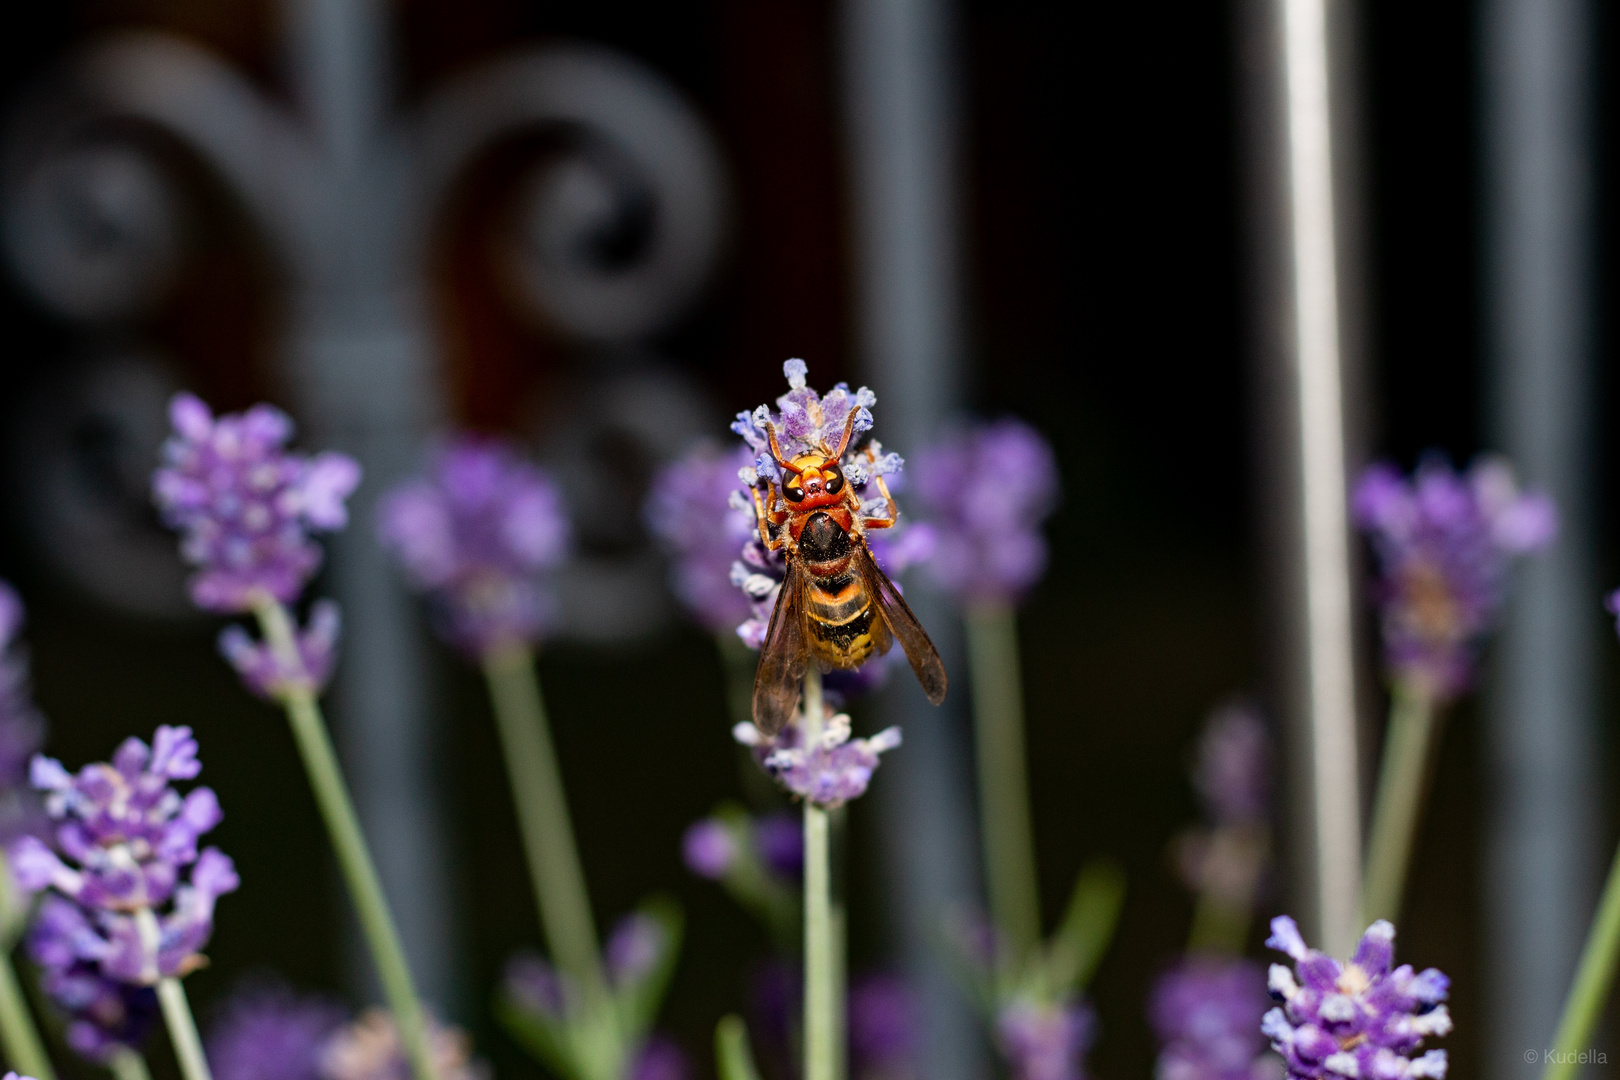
(839, 612)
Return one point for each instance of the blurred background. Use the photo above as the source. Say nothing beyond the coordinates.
(601, 228)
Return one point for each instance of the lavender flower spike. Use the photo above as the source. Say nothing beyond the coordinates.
(271, 1033)
(244, 505)
(1045, 1041)
(125, 840)
(368, 1049)
(830, 773)
(1206, 1012)
(1444, 542)
(986, 493)
(699, 510)
(478, 533)
(1358, 1019)
(103, 1015)
(269, 676)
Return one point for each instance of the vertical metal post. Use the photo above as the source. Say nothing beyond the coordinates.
(1539, 303)
(360, 354)
(901, 118)
(1290, 59)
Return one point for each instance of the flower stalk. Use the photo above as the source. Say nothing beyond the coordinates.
(23, 1046)
(1403, 780)
(542, 811)
(1594, 978)
(348, 842)
(126, 1064)
(820, 963)
(998, 717)
(188, 1048)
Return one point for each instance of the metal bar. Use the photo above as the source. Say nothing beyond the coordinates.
(1290, 57)
(1537, 97)
(902, 126)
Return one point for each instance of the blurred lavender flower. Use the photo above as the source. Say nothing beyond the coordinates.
(270, 1033)
(1206, 1012)
(829, 774)
(478, 533)
(1044, 1040)
(638, 944)
(660, 1059)
(1358, 1019)
(712, 845)
(1233, 771)
(700, 511)
(244, 505)
(883, 1040)
(130, 836)
(1444, 542)
(709, 848)
(101, 1015)
(368, 1049)
(986, 493)
(1611, 603)
(21, 727)
(266, 676)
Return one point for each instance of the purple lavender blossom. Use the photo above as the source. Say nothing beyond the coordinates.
(1044, 1040)
(883, 1040)
(245, 507)
(1233, 770)
(635, 948)
(368, 1049)
(709, 848)
(986, 493)
(779, 843)
(21, 728)
(268, 677)
(537, 987)
(130, 838)
(660, 1059)
(1358, 1019)
(1611, 604)
(829, 774)
(101, 1015)
(698, 509)
(1206, 1012)
(1444, 543)
(478, 534)
(270, 1033)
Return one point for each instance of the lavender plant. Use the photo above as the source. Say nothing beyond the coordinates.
(1206, 1010)
(478, 533)
(267, 1032)
(133, 898)
(21, 730)
(805, 454)
(247, 509)
(1363, 1018)
(986, 493)
(1444, 543)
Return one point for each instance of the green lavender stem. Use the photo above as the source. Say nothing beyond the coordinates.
(1402, 779)
(24, 1049)
(733, 1059)
(837, 842)
(998, 723)
(820, 965)
(542, 810)
(1594, 977)
(349, 845)
(177, 1016)
(126, 1064)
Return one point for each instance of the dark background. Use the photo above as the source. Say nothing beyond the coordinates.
(1106, 299)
